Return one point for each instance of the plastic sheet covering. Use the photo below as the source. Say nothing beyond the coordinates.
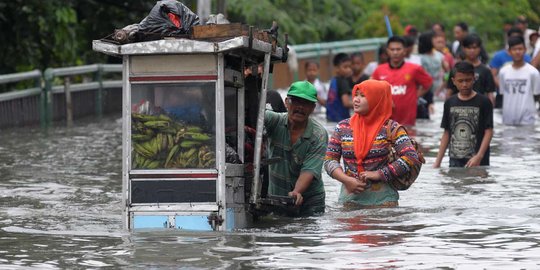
(169, 18)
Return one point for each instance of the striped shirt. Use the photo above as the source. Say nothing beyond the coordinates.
(306, 155)
(341, 145)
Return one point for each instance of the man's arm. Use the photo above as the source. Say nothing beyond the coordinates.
(489, 84)
(347, 101)
(302, 184)
(344, 92)
(424, 80)
(476, 159)
(421, 91)
(495, 73)
(311, 167)
(536, 61)
(271, 121)
(491, 97)
(445, 139)
(495, 65)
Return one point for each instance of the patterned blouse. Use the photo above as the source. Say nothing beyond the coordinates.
(341, 145)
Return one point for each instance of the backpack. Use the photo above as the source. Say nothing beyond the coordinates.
(403, 182)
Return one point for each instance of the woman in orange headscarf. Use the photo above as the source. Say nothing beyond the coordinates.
(363, 142)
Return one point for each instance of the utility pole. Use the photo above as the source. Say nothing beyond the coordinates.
(204, 8)
(222, 7)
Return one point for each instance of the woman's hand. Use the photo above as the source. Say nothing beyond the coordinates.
(354, 185)
(369, 175)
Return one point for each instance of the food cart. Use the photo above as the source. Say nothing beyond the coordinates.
(183, 161)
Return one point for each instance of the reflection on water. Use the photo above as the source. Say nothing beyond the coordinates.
(60, 194)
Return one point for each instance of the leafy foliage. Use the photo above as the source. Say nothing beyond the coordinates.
(54, 33)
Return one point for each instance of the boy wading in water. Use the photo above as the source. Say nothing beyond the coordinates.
(467, 122)
(520, 83)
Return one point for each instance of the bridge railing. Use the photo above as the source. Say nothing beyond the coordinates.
(46, 101)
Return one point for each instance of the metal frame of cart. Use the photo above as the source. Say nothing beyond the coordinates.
(212, 198)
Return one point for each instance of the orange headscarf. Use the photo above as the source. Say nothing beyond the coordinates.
(366, 127)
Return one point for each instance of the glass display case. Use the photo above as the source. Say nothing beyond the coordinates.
(173, 126)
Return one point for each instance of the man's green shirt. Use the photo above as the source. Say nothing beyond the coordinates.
(306, 155)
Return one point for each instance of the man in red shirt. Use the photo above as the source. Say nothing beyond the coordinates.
(409, 81)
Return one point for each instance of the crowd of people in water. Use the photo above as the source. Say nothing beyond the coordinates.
(374, 103)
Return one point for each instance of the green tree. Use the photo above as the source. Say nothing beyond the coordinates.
(55, 33)
(305, 21)
(485, 17)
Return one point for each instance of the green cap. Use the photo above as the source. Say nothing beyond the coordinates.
(303, 89)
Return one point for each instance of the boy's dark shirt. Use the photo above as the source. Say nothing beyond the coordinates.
(339, 86)
(344, 85)
(483, 80)
(466, 122)
(361, 79)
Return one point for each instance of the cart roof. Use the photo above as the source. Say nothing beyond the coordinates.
(186, 46)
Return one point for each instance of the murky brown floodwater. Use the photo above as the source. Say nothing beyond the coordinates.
(60, 194)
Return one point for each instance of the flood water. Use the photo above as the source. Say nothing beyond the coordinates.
(60, 207)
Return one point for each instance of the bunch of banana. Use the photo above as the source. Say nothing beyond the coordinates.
(207, 158)
(140, 161)
(160, 142)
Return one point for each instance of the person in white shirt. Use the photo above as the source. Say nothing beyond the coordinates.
(520, 83)
(312, 76)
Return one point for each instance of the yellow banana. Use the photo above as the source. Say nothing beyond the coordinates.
(196, 136)
(157, 124)
(193, 129)
(192, 161)
(143, 117)
(159, 141)
(143, 163)
(133, 159)
(140, 160)
(168, 130)
(142, 150)
(203, 150)
(191, 152)
(154, 164)
(164, 118)
(140, 137)
(208, 156)
(210, 163)
(181, 162)
(189, 144)
(170, 141)
(171, 154)
(154, 145)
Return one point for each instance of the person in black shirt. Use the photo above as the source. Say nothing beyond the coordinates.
(467, 122)
(358, 65)
(483, 78)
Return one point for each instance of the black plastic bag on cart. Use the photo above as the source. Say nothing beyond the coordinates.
(169, 18)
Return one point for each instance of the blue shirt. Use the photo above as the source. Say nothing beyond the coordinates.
(502, 58)
(335, 111)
